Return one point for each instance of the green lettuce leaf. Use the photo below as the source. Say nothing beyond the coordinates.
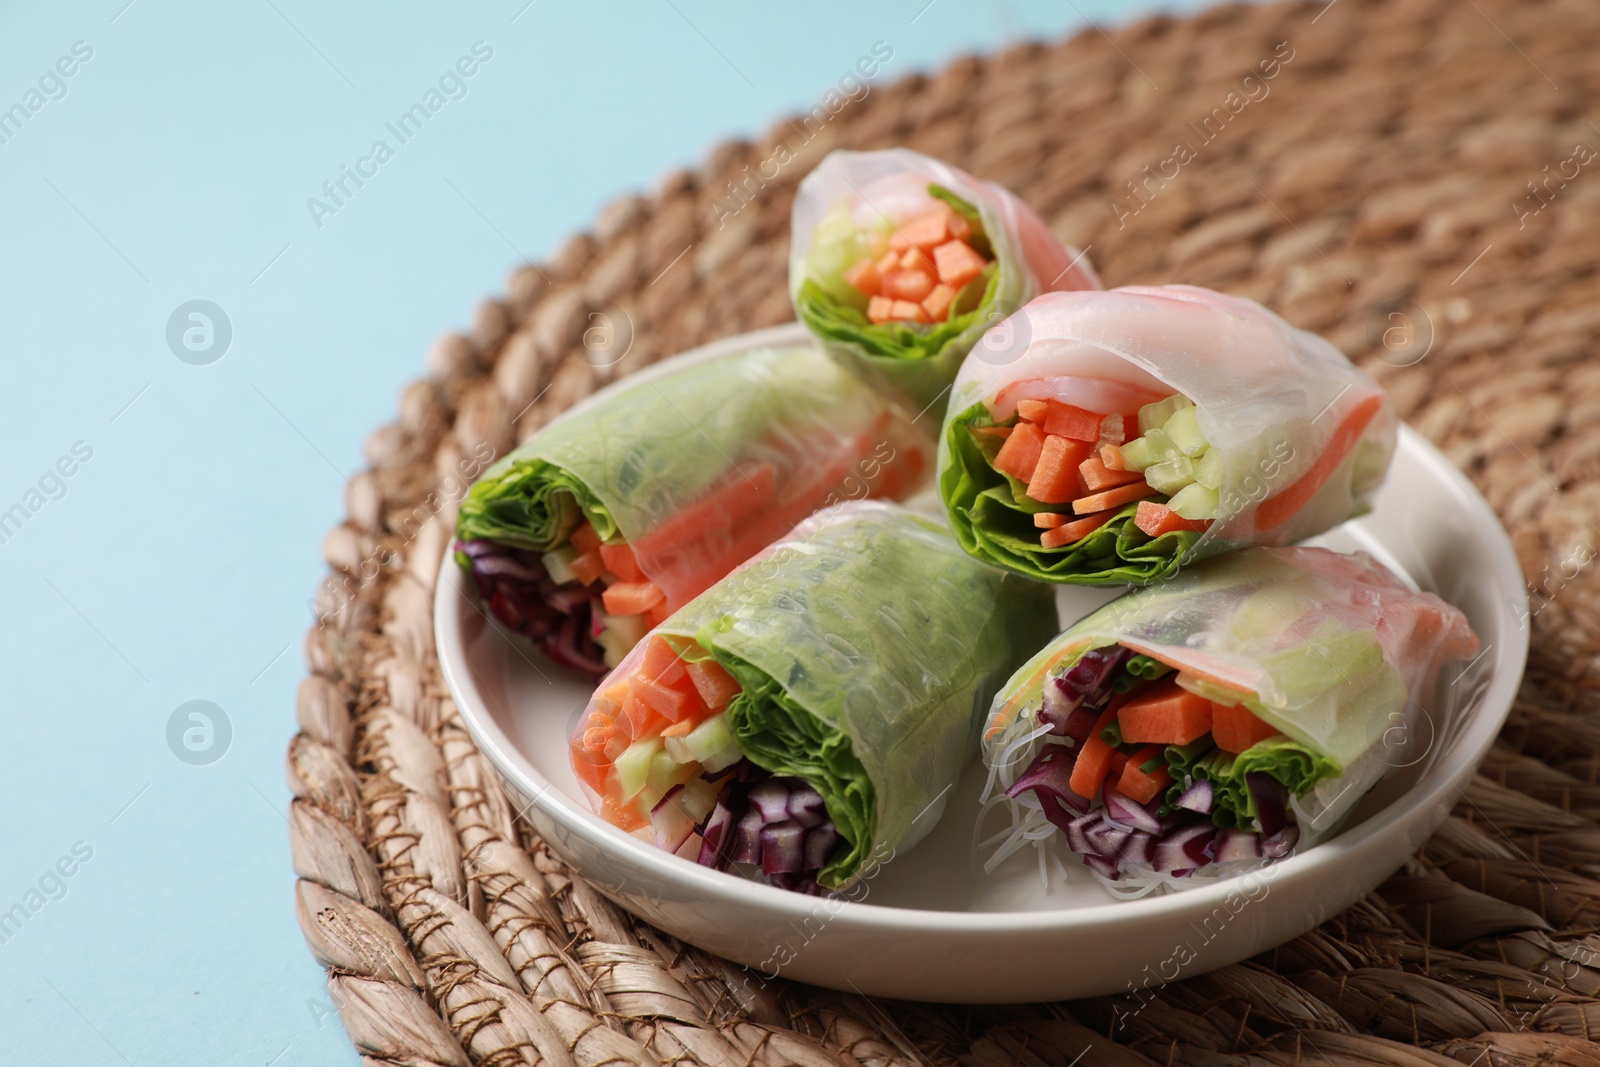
(640, 455)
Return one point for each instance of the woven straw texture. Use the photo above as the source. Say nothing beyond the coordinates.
(1386, 173)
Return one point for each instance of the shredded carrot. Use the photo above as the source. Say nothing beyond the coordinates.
(1157, 519)
(1055, 477)
(1112, 498)
(631, 598)
(1020, 454)
(1073, 532)
(1097, 477)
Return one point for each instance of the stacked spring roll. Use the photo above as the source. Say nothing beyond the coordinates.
(806, 717)
(900, 262)
(1112, 437)
(621, 511)
(1221, 718)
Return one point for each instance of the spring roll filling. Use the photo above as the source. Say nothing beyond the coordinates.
(668, 749)
(1144, 765)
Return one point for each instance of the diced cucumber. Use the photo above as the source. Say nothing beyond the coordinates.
(698, 798)
(1371, 463)
(666, 772)
(630, 629)
(1194, 501)
(724, 758)
(1170, 475)
(1184, 429)
(633, 766)
(707, 739)
(615, 647)
(1137, 454)
(1208, 472)
(1155, 415)
(558, 562)
(1113, 429)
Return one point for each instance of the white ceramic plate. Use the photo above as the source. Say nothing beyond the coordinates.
(931, 925)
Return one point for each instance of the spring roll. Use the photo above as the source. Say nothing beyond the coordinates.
(1221, 719)
(805, 718)
(1103, 438)
(623, 510)
(899, 262)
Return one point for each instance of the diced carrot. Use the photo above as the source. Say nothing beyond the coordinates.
(617, 743)
(938, 302)
(887, 262)
(1111, 456)
(1097, 477)
(1073, 422)
(680, 728)
(584, 538)
(640, 713)
(594, 739)
(716, 685)
(588, 567)
(1236, 728)
(671, 702)
(916, 259)
(623, 815)
(591, 769)
(1276, 510)
(999, 432)
(1020, 454)
(1094, 757)
(1075, 531)
(631, 598)
(1048, 520)
(907, 285)
(619, 561)
(880, 309)
(865, 277)
(1165, 714)
(927, 230)
(908, 311)
(660, 661)
(1112, 498)
(612, 696)
(1055, 477)
(1136, 784)
(958, 226)
(1033, 410)
(1157, 519)
(658, 614)
(957, 263)
(1119, 760)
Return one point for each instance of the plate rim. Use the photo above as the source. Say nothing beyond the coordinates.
(552, 802)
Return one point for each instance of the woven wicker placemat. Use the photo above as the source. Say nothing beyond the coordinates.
(1376, 188)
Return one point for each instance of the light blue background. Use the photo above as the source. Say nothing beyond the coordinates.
(178, 564)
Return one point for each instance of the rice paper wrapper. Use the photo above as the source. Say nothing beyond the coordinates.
(1306, 438)
(853, 191)
(884, 637)
(1331, 649)
(699, 467)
